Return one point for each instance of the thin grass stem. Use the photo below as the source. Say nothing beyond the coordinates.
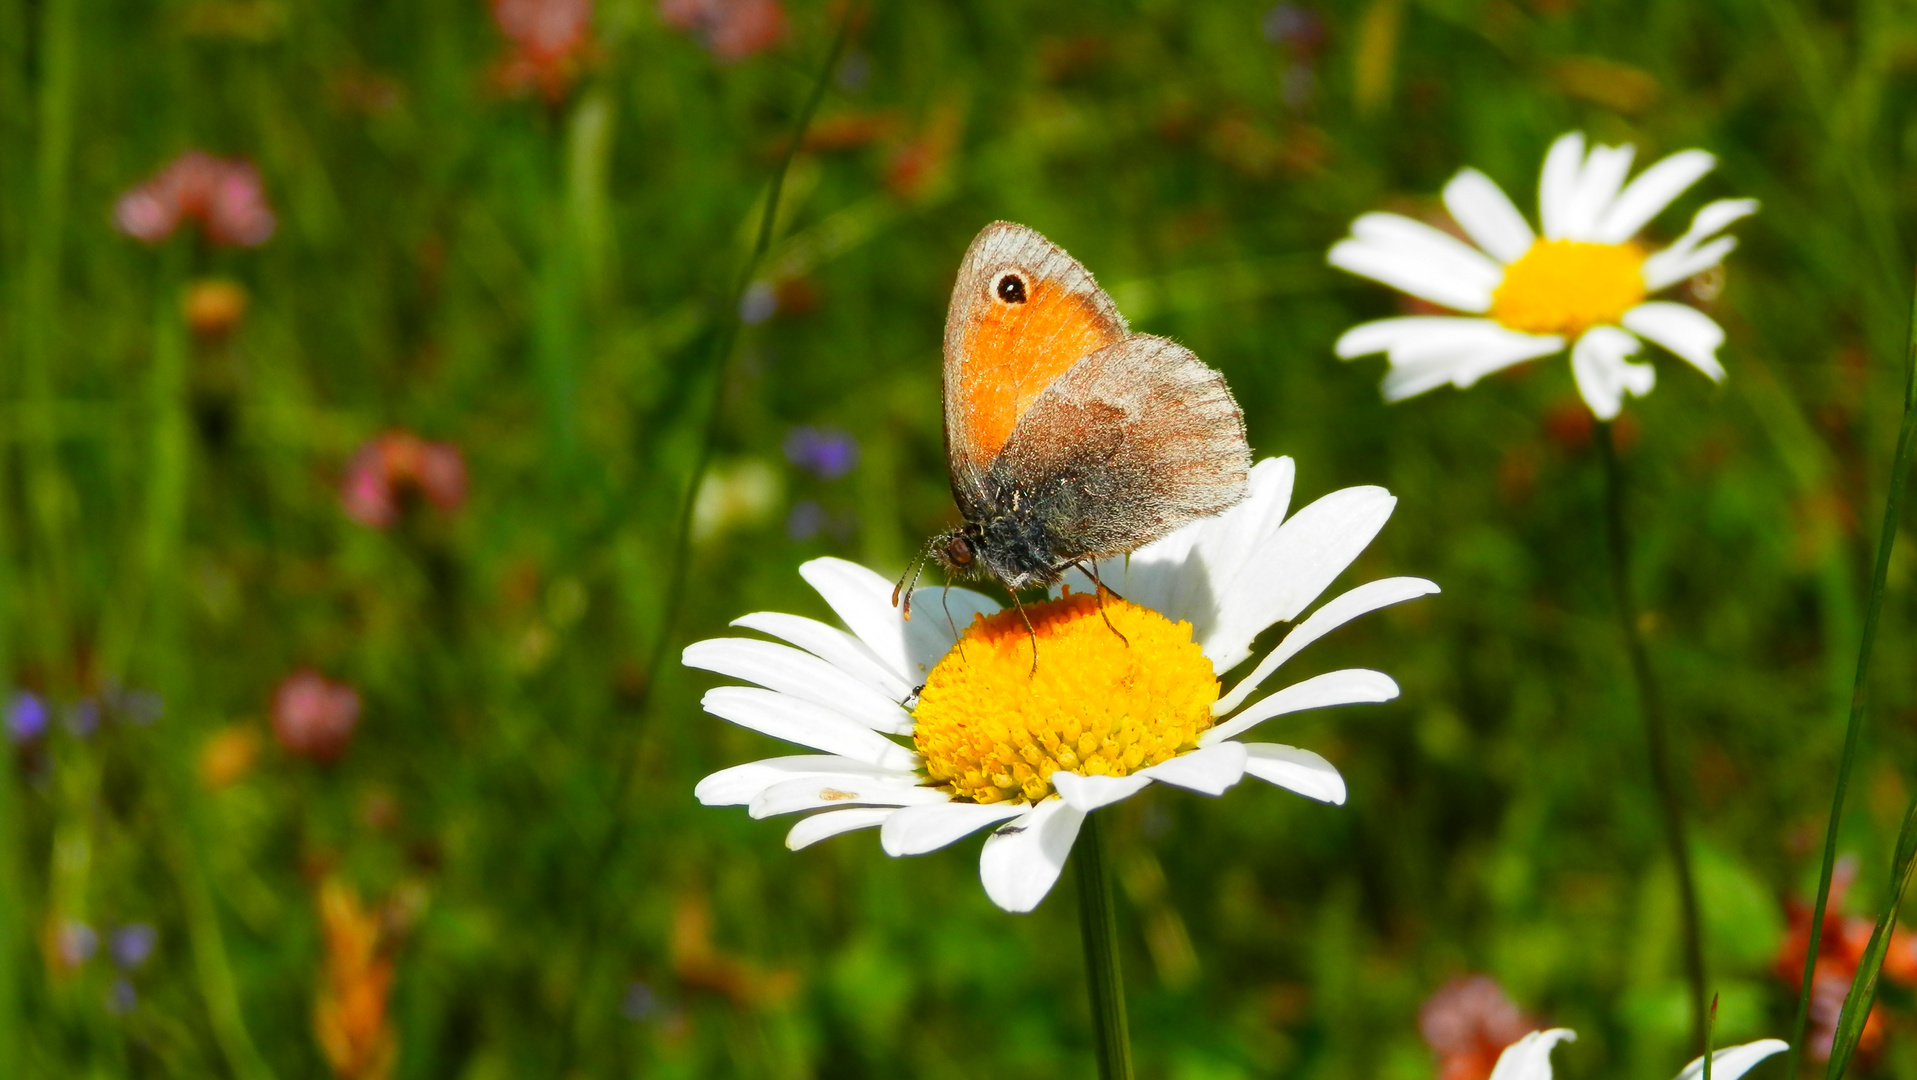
(1710, 1038)
(1853, 727)
(1098, 923)
(1863, 987)
(13, 907)
(214, 972)
(728, 334)
(1656, 727)
(719, 361)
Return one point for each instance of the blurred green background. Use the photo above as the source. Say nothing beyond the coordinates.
(540, 272)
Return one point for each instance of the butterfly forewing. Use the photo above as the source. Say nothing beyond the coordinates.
(1023, 312)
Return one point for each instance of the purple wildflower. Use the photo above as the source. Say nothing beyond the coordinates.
(825, 452)
(26, 718)
(132, 945)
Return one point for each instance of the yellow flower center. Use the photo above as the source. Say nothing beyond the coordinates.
(1568, 286)
(993, 730)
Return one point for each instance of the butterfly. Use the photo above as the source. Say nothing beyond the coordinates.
(1068, 438)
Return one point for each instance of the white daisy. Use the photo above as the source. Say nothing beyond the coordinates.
(993, 742)
(1530, 1057)
(1584, 283)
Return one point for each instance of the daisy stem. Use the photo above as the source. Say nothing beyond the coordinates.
(1098, 922)
(1656, 727)
(1887, 535)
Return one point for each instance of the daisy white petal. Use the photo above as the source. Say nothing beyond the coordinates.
(1023, 858)
(1187, 575)
(846, 789)
(795, 720)
(1667, 268)
(1420, 366)
(1653, 190)
(819, 827)
(1690, 254)
(1687, 332)
(1558, 184)
(1429, 351)
(1209, 770)
(1347, 686)
(1336, 612)
(1226, 544)
(1604, 375)
(1530, 1057)
(1485, 213)
(1219, 550)
(1416, 258)
(1409, 380)
(738, 785)
(831, 644)
(1734, 1061)
(916, 830)
(1409, 338)
(863, 602)
(1603, 174)
(1314, 547)
(1295, 770)
(1088, 793)
(802, 675)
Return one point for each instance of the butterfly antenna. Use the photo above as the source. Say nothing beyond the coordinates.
(1101, 592)
(912, 570)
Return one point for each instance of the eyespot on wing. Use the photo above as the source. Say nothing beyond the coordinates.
(1023, 312)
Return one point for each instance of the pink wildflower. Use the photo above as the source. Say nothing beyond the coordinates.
(223, 195)
(550, 40)
(731, 30)
(392, 466)
(314, 716)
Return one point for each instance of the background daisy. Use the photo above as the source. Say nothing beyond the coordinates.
(1530, 1057)
(1585, 282)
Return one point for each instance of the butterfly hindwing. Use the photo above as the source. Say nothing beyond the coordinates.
(1132, 442)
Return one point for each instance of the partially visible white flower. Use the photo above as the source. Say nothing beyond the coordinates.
(1530, 1057)
(734, 496)
(1028, 749)
(1584, 283)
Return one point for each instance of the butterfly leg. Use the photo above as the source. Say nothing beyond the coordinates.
(1030, 631)
(945, 602)
(1090, 570)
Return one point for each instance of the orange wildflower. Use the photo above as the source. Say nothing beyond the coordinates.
(349, 1015)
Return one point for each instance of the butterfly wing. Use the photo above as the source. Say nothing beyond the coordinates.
(1023, 312)
(1132, 442)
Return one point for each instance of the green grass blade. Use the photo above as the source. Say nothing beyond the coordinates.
(1863, 988)
(1873, 611)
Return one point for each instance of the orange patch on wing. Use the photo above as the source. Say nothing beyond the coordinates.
(1014, 351)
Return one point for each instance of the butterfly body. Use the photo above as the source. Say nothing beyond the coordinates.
(1068, 437)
